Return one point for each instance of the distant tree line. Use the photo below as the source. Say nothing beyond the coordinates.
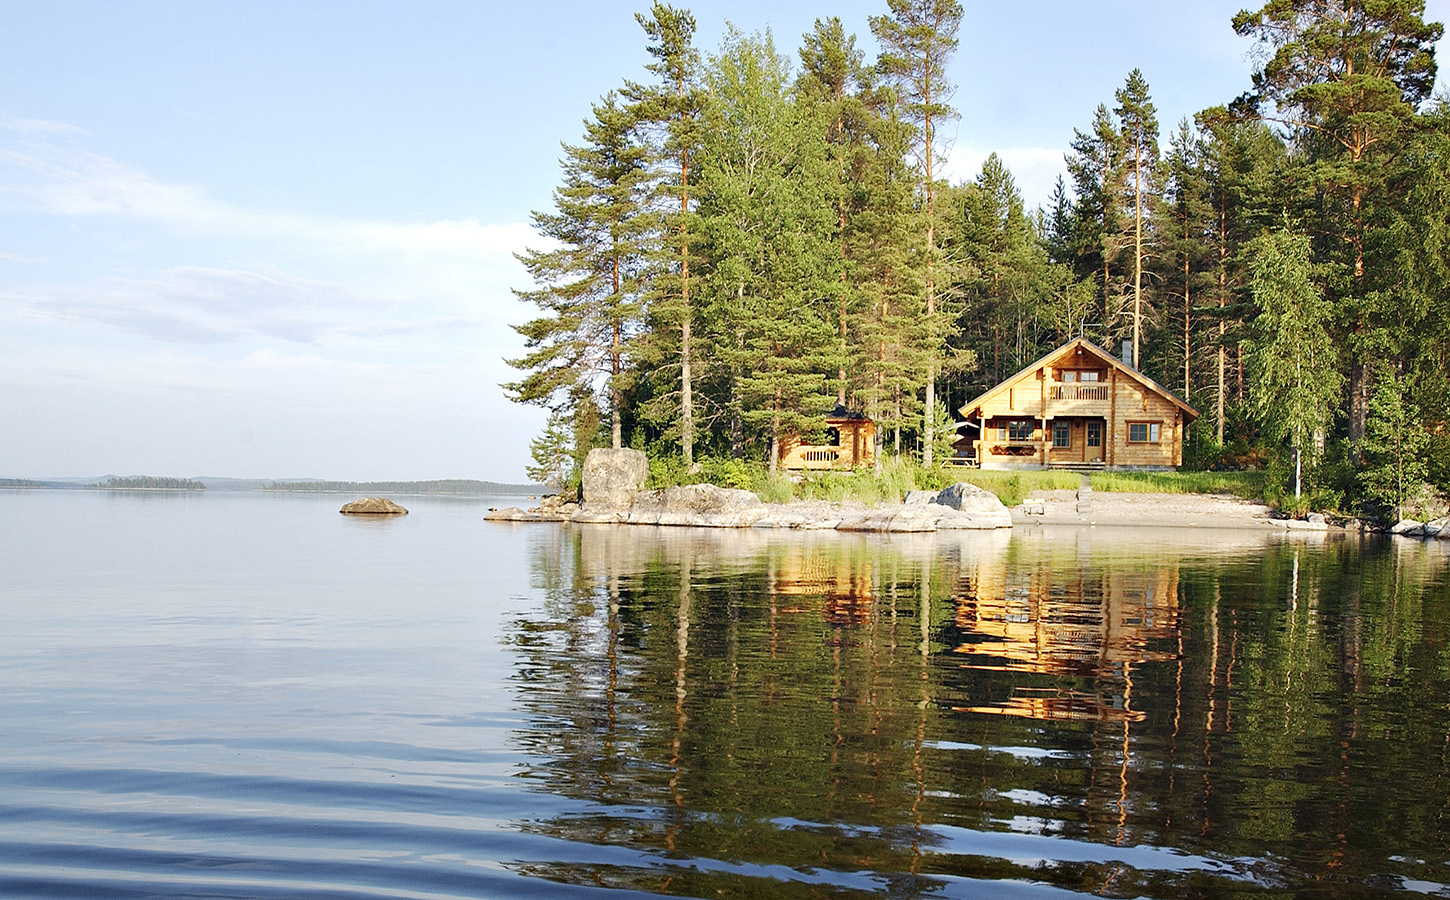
(741, 242)
(20, 483)
(148, 483)
(438, 486)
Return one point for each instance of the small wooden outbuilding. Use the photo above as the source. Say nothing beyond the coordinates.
(1078, 407)
(852, 444)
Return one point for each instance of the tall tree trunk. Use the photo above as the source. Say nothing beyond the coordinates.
(615, 400)
(1222, 312)
(687, 399)
(928, 414)
(1186, 335)
(1137, 247)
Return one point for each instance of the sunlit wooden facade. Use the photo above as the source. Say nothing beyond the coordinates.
(853, 443)
(1078, 407)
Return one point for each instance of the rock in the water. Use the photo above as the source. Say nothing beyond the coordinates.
(1408, 527)
(1436, 528)
(509, 514)
(373, 506)
(611, 478)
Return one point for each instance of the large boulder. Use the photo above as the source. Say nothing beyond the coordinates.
(373, 506)
(613, 477)
(697, 504)
(979, 504)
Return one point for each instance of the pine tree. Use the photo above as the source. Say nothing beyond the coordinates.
(1346, 78)
(1003, 262)
(1138, 124)
(1095, 165)
(918, 39)
(1185, 224)
(589, 286)
(673, 106)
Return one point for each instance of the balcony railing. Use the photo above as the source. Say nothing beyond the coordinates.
(1078, 392)
(808, 456)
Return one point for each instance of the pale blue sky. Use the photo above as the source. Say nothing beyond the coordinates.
(275, 239)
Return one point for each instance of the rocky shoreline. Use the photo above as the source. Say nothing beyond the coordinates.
(613, 494)
(959, 507)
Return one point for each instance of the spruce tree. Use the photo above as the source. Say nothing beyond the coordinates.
(766, 215)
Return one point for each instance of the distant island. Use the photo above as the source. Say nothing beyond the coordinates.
(464, 487)
(461, 486)
(147, 483)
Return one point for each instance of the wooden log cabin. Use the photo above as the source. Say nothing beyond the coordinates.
(852, 443)
(1078, 407)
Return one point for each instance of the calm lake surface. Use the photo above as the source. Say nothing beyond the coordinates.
(251, 696)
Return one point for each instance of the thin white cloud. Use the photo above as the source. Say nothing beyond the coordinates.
(196, 305)
(37, 126)
(59, 181)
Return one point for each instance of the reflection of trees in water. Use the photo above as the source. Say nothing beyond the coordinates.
(848, 709)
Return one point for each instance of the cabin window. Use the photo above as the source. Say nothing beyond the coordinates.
(1061, 435)
(1071, 375)
(1142, 432)
(1015, 430)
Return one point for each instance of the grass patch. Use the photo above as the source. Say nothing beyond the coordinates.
(1014, 487)
(1249, 485)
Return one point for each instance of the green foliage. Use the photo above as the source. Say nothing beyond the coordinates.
(1394, 446)
(736, 247)
(553, 452)
(1295, 382)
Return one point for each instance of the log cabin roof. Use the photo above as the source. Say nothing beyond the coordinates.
(1072, 351)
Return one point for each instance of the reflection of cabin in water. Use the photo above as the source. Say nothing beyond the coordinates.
(1078, 407)
(851, 442)
(1093, 624)
(843, 582)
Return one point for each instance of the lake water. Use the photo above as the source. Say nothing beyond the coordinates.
(239, 696)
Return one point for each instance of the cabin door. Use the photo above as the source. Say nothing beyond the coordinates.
(1094, 450)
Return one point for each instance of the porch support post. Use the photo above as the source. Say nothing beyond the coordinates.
(1042, 380)
(1110, 439)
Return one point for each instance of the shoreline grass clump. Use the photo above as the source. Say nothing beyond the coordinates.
(900, 475)
(1249, 485)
